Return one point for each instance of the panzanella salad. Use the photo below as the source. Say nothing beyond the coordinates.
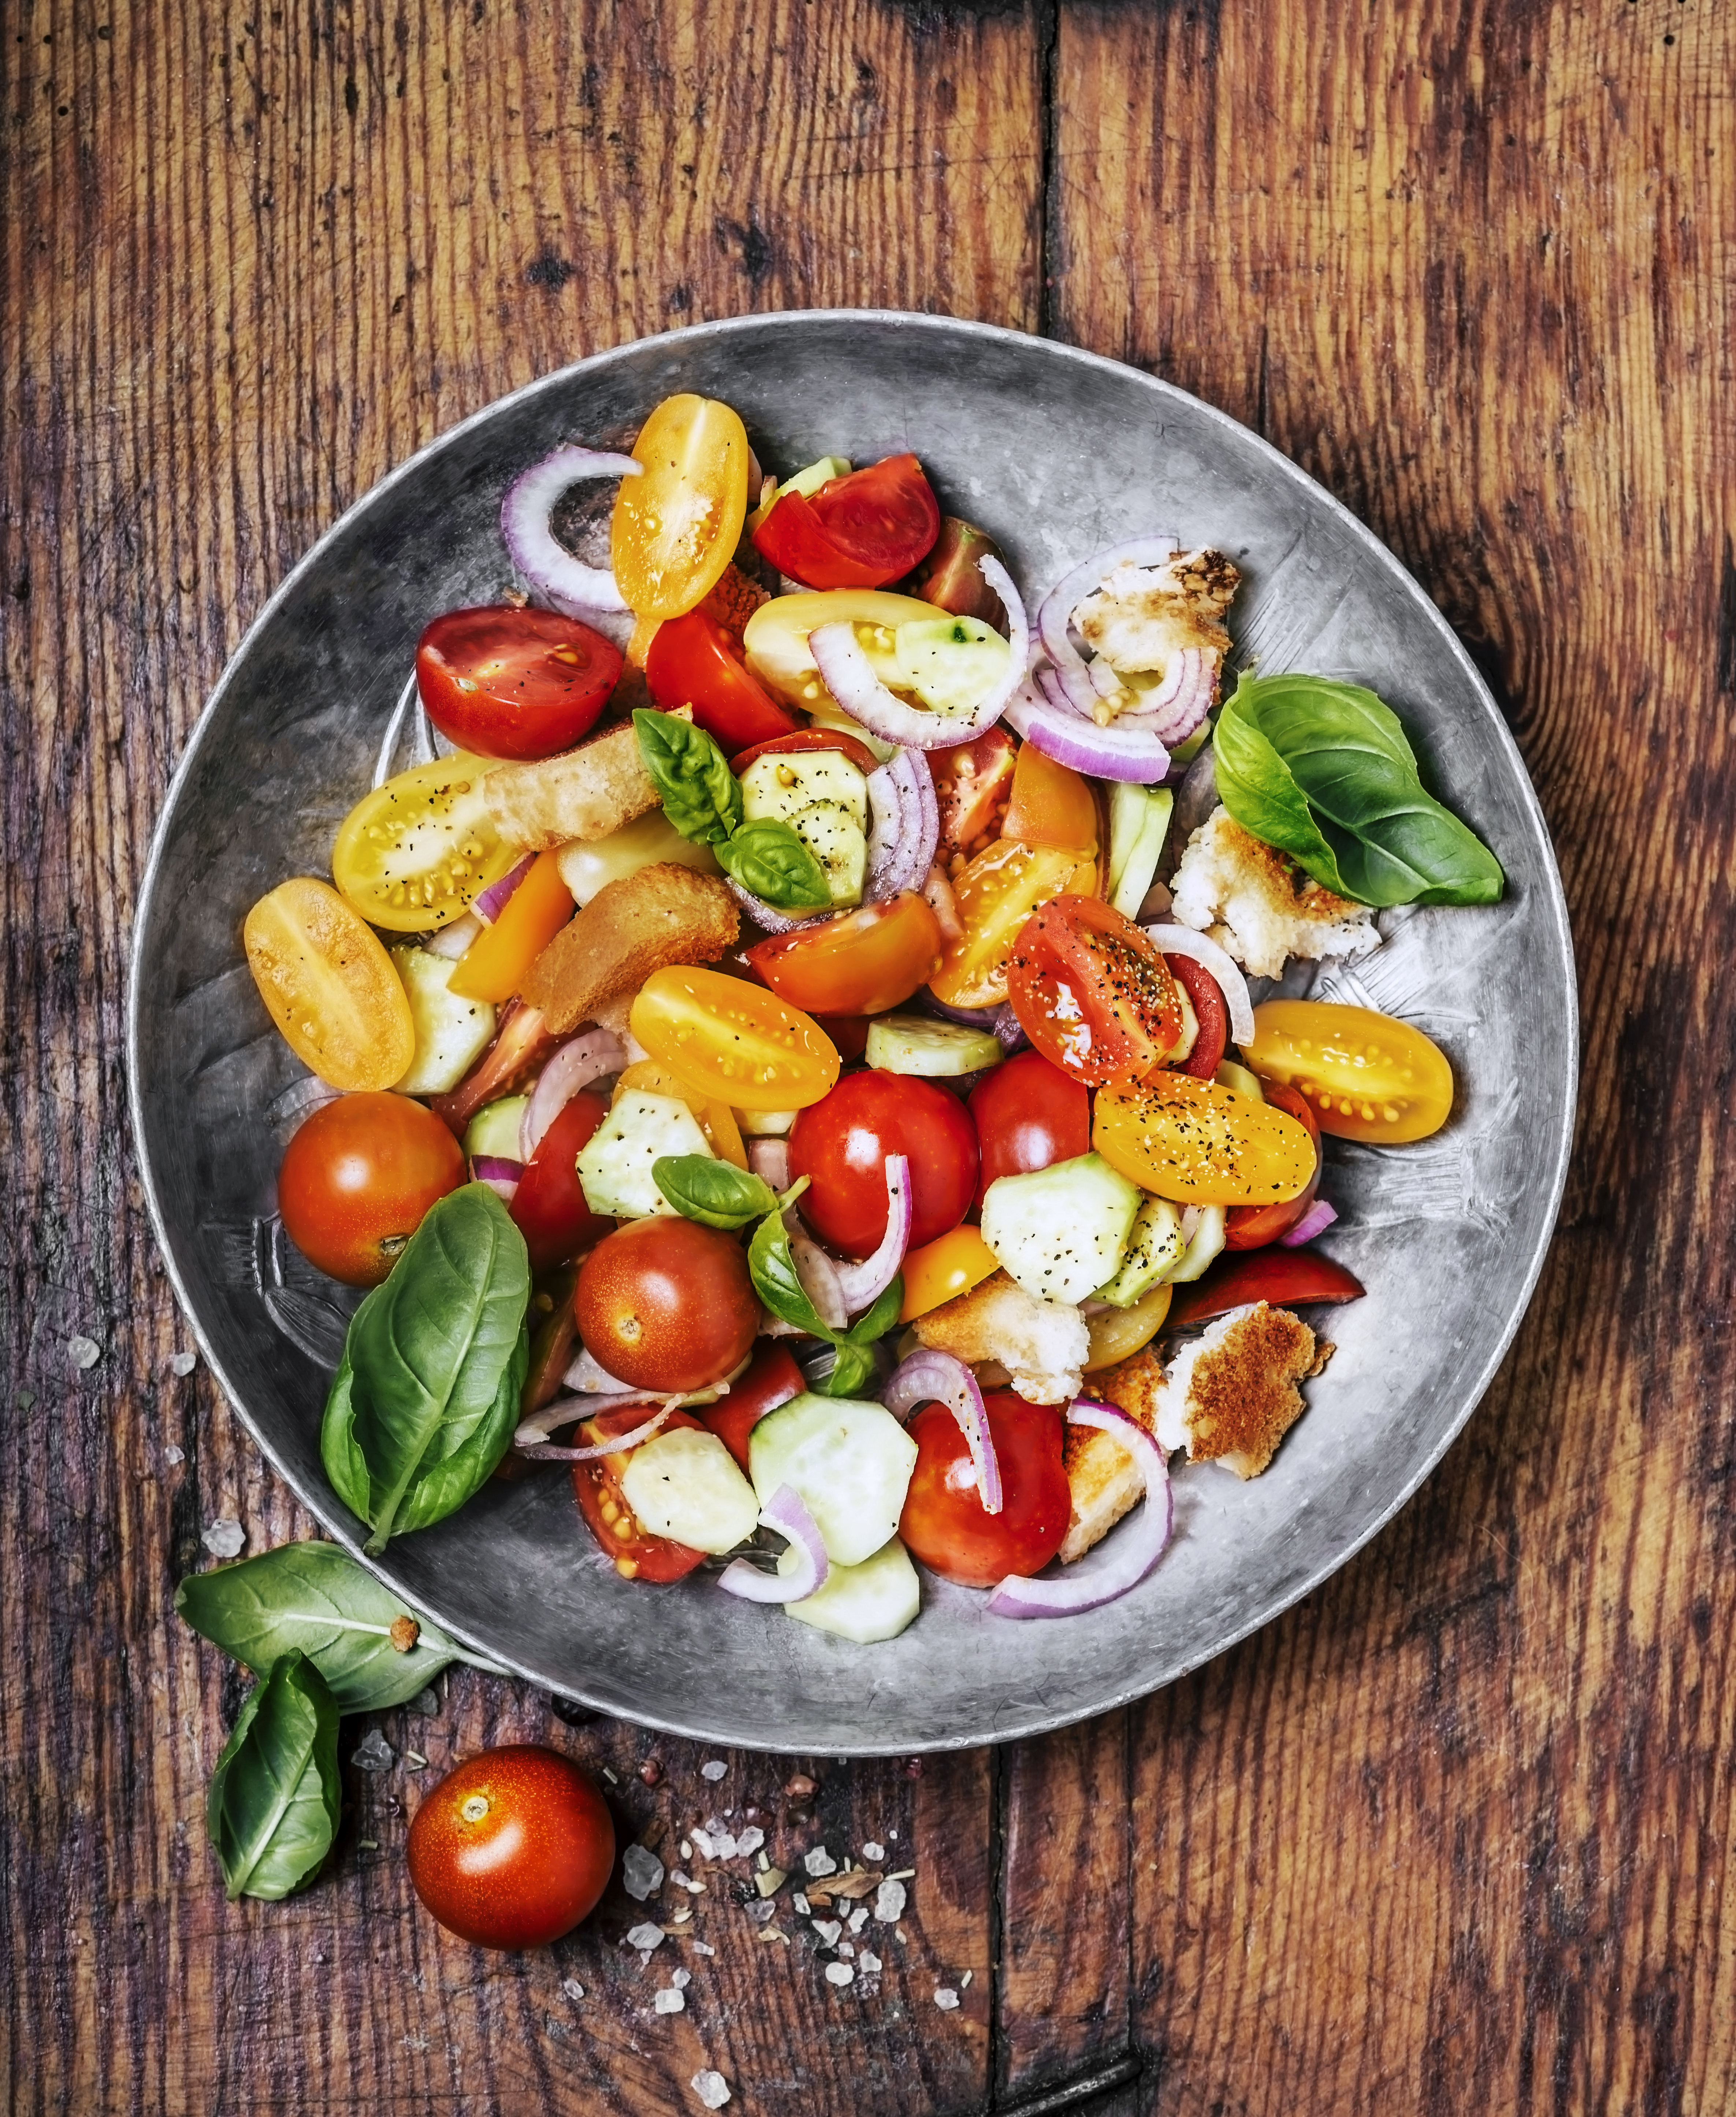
(788, 1070)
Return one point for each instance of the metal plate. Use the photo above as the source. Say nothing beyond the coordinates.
(1057, 452)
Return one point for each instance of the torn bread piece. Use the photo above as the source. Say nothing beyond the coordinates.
(1137, 617)
(1103, 1481)
(585, 793)
(1259, 905)
(1042, 1344)
(1231, 1396)
(644, 922)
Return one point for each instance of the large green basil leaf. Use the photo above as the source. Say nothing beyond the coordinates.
(855, 1366)
(1371, 831)
(275, 1795)
(771, 860)
(315, 1599)
(715, 1194)
(425, 1404)
(700, 796)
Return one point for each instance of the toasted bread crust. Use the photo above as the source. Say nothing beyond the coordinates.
(643, 923)
(1103, 1480)
(585, 793)
(1238, 1388)
(1041, 1345)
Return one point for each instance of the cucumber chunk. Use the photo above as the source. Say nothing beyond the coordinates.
(451, 1033)
(1230, 1075)
(950, 663)
(1139, 822)
(687, 1485)
(787, 781)
(495, 1128)
(1061, 1231)
(912, 1043)
(1155, 1245)
(615, 1164)
(849, 1459)
(1206, 1243)
(863, 1603)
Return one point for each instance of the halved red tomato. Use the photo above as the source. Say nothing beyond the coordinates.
(859, 532)
(860, 962)
(638, 1554)
(787, 745)
(1287, 1279)
(1252, 1227)
(944, 1521)
(971, 783)
(1206, 997)
(550, 1208)
(692, 661)
(1092, 991)
(503, 682)
(772, 1378)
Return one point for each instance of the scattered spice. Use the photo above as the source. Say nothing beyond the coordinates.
(801, 1787)
(651, 1773)
(404, 1634)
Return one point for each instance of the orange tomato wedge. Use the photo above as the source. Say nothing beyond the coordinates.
(497, 962)
(861, 962)
(1201, 1144)
(1051, 805)
(942, 1270)
(328, 983)
(732, 1041)
(996, 893)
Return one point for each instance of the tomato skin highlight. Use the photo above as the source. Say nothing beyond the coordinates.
(841, 1145)
(638, 1554)
(1206, 997)
(945, 1524)
(513, 1849)
(1092, 992)
(549, 1208)
(1285, 1278)
(509, 683)
(772, 1378)
(692, 661)
(667, 1304)
(1028, 1114)
(860, 962)
(1252, 1227)
(1367, 1075)
(356, 1180)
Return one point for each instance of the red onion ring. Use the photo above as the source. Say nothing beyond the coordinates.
(1189, 686)
(929, 1377)
(1054, 615)
(906, 825)
(1129, 1556)
(820, 1281)
(452, 941)
(787, 1513)
(587, 1375)
(493, 900)
(1000, 1021)
(573, 1065)
(542, 1451)
(1224, 971)
(861, 1284)
(498, 1173)
(769, 1159)
(1082, 745)
(764, 915)
(1315, 1221)
(564, 583)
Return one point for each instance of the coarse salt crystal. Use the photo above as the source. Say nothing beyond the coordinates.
(713, 1769)
(841, 1973)
(667, 2000)
(85, 1352)
(171, 1454)
(846, 1948)
(572, 1988)
(182, 1364)
(645, 1937)
(874, 1853)
(425, 1702)
(703, 1948)
(711, 2088)
(223, 1539)
(945, 1998)
(889, 1903)
(828, 1929)
(800, 1902)
(374, 1753)
(819, 1861)
(681, 1979)
(641, 1872)
(869, 1962)
(859, 1918)
(749, 1841)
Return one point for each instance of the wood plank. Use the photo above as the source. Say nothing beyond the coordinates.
(1460, 1828)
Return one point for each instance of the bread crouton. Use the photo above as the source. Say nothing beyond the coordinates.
(1137, 617)
(1259, 905)
(1232, 1395)
(1103, 1481)
(644, 922)
(585, 793)
(1042, 1344)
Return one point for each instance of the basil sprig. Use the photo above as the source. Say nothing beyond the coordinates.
(715, 1194)
(275, 1795)
(771, 1266)
(1323, 771)
(424, 1404)
(703, 799)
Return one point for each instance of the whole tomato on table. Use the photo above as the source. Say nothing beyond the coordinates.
(946, 1525)
(841, 1142)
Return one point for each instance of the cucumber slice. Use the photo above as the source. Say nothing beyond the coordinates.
(863, 1603)
(950, 662)
(495, 1128)
(687, 1485)
(912, 1043)
(1155, 1245)
(1139, 822)
(1061, 1231)
(1208, 1241)
(1230, 1075)
(839, 843)
(850, 1461)
(786, 782)
(451, 1033)
(614, 1165)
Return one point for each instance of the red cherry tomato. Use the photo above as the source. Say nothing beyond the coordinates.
(859, 962)
(842, 1142)
(1285, 1278)
(1206, 995)
(550, 1206)
(501, 682)
(513, 1849)
(1252, 1227)
(692, 661)
(667, 1304)
(1028, 1115)
(1092, 991)
(848, 1033)
(638, 1554)
(859, 532)
(772, 1378)
(357, 1178)
(945, 1523)
(788, 745)
(974, 784)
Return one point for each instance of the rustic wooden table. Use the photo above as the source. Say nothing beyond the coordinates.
(1453, 1833)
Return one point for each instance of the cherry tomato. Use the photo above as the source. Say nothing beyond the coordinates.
(944, 1521)
(775, 640)
(1028, 1114)
(942, 1270)
(692, 661)
(1368, 1076)
(501, 682)
(549, 1208)
(497, 962)
(513, 1849)
(1092, 991)
(356, 1180)
(732, 1040)
(329, 986)
(1201, 1144)
(1117, 1333)
(1252, 1227)
(860, 962)
(842, 1144)
(997, 894)
(667, 1304)
(675, 526)
(812, 738)
(952, 576)
(772, 1378)
(885, 515)
(1206, 997)
(414, 853)
(1285, 1278)
(793, 539)
(973, 782)
(1050, 805)
(847, 1034)
(638, 1554)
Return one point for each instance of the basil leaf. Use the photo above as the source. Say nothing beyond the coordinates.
(314, 1598)
(700, 796)
(1256, 786)
(275, 1795)
(853, 1368)
(423, 1405)
(769, 858)
(876, 1321)
(771, 1267)
(715, 1194)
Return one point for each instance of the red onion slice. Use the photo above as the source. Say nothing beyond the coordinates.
(764, 915)
(1054, 615)
(452, 941)
(943, 902)
(1082, 745)
(1225, 972)
(1128, 1557)
(573, 1065)
(1189, 686)
(566, 584)
(769, 1159)
(585, 1374)
(498, 1173)
(929, 1377)
(906, 825)
(542, 1451)
(820, 1280)
(861, 1284)
(493, 900)
(787, 1513)
(1315, 1221)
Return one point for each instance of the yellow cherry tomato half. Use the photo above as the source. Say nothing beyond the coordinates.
(995, 894)
(775, 640)
(942, 1270)
(733, 1041)
(1201, 1144)
(411, 855)
(1117, 1333)
(676, 525)
(328, 983)
(716, 1120)
(1365, 1075)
